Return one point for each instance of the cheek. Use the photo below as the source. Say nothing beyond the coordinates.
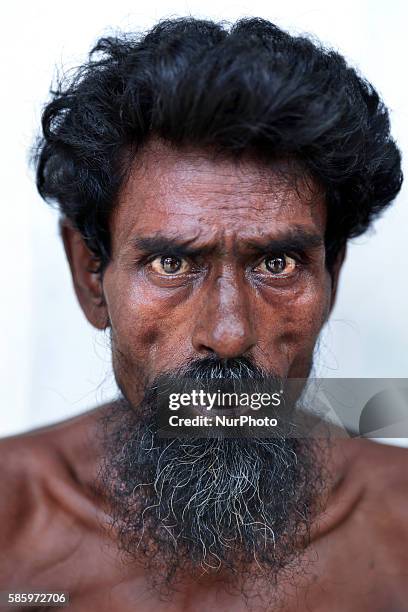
(147, 327)
(302, 320)
(133, 322)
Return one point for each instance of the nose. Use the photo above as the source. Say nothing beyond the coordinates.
(224, 325)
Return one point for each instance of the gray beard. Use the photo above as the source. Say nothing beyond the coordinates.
(181, 507)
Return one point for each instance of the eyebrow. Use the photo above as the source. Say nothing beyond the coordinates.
(294, 239)
(173, 246)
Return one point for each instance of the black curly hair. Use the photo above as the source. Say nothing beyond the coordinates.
(251, 86)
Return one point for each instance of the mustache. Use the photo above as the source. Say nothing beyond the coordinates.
(230, 369)
(211, 374)
(225, 386)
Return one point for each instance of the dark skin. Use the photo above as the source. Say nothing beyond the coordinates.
(209, 257)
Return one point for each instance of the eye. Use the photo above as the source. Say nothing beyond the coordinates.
(169, 264)
(278, 265)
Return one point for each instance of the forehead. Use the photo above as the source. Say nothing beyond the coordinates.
(195, 193)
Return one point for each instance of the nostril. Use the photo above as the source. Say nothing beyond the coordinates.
(205, 350)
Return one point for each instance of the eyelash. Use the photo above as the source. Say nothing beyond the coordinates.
(300, 257)
(300, 265)
(190, 260)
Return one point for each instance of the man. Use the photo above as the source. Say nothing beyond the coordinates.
(208, 181)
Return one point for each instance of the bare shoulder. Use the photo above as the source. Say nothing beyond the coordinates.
(25, 459)
(382, 473)
(384, 467)
(42, 493)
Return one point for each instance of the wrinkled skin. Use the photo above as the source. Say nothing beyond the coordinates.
(224, 301)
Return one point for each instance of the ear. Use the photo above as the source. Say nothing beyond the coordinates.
(86, 280)
(335, 274)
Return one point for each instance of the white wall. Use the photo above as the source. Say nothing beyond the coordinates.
(53, 365)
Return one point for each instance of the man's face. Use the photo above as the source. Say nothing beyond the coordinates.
(217, 269)
(214, 258)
